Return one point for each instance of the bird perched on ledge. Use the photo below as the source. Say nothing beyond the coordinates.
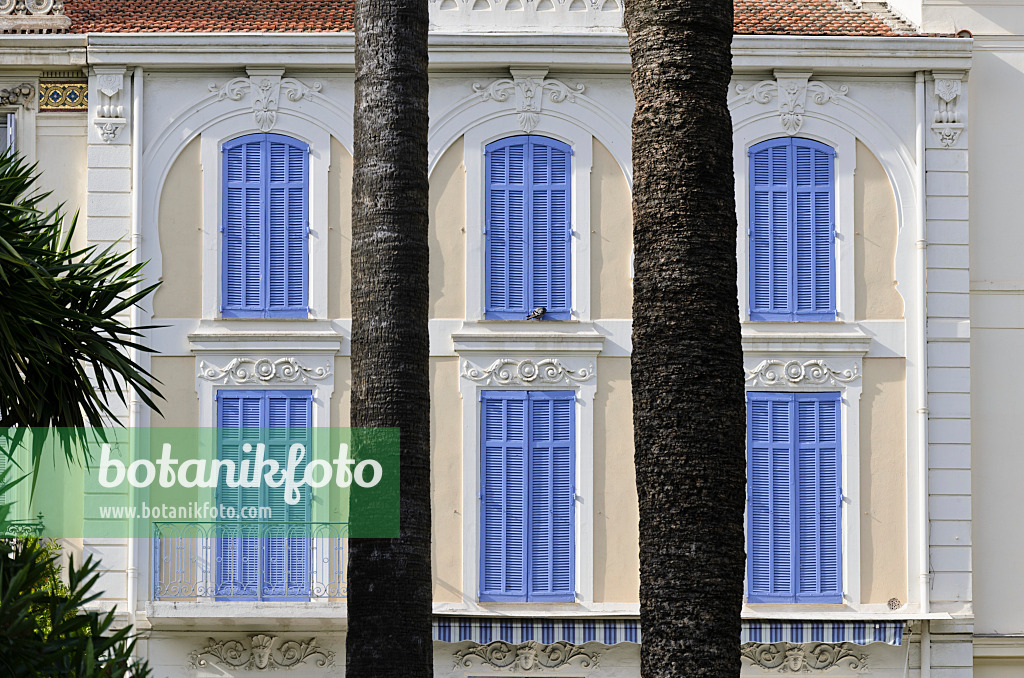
(538, 313)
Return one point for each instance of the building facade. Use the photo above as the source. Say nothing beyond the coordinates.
(219, 147)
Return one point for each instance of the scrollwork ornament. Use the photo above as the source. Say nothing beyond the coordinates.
(527, 656)
(806, 658)
(266, 95)
(792, 91)
(261, 655)
(529, 94)
(508, 371)
(19, 94)
(262, 371)
(796, 373)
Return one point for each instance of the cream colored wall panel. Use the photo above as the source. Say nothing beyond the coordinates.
(446, 479)
(180, 225)
(883, 481)
(616, 520)
(180, 406)
(448, 234)
(999, 668)
(983, 18)
(339, 232)
(341, 398)
(875, 231)
(611, 217)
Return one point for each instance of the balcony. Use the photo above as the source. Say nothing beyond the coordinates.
(220, 562)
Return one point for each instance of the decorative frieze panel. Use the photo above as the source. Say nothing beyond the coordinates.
(947, 122)
(33, 16)
(527, 89)
(265, 88)
(241, 371)
(526, 372)
(789, 373)
(260, 653)
(63, 96)
(805, 658)
(528, 656)
(792, 91)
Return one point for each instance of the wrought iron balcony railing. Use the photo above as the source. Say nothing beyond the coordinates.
(195, 561)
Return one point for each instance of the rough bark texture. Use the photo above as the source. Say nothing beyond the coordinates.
(688, 404)
(389, 595)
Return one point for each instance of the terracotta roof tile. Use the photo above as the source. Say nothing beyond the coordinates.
(764, 17)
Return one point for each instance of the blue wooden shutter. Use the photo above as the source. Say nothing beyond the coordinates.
(286, 550)
(771, 509)
(287, 242)
(243, 226)
(819, 497)
(506, 229)
(503, 566)
(792, 230)
(527, 228)
(552, 505)
(549, 211)
(239, 416)
(814, 233)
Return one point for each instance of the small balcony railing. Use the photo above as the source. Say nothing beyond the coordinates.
(253, 561)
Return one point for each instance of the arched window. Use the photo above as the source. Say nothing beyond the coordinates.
(792, 230)
(265, 226)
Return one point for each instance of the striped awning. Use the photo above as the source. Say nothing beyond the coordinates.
(856, 632)
(485, 630)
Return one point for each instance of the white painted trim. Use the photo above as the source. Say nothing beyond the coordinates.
(212, 140)
(470, 390)
(476, 140)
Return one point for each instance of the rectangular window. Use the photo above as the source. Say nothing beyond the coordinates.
(265, 226)
(263, 556)
(792, 230)
(794, 498)
(527, 228)
(528, 497)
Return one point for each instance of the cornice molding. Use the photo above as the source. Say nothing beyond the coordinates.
(528, 656)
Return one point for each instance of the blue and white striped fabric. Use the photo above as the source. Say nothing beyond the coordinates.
(485, 630)
(856, 632)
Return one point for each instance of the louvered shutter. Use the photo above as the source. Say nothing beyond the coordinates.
(243, 226)
(286, 550)
(819, 497)
(506, 229)
(549, 227)
(239, 416)
(527, 235)
(287, 242)
(552, 509)
(504, 444)
(771, 507)
(792, 230)
(813, 206)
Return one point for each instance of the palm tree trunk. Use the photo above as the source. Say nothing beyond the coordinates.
(389, 594)
(688, 403)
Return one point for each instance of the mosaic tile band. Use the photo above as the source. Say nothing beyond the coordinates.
(611, 631)
(64, 96)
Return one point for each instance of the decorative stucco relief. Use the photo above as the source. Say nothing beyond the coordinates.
(791, 90)
(528, 656)
(33, 16)
(262, 371)
(262, 654)
(799, 373)
(948, 123)
(265, 91)
(110, 118)
(807, 658)
(20, 95)
(529, 87)
(526, 372)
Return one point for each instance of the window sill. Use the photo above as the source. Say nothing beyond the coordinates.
(291, 615)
